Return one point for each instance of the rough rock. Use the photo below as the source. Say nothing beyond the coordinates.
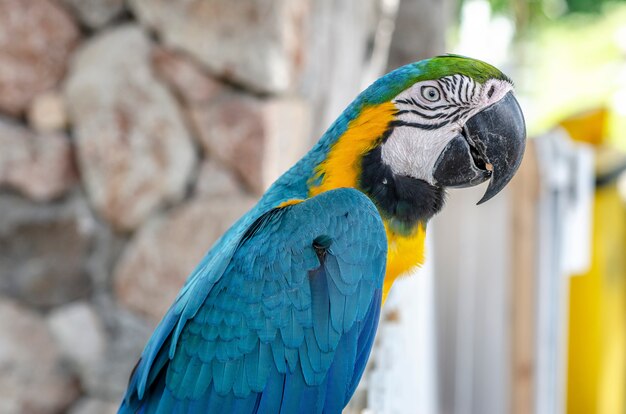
(134, 151)
(43, 250)
(93, 406)
(106, 248)
(166, 250)
(108, 378)
(258, 138)
(32, 378)
(79, 333)
(36, 40)
(39, 166)
(257, 43)
(185, 77)
(95, 13)
(215, 181)
(46, 112)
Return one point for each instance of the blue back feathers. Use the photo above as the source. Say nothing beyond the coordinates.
(279, 318)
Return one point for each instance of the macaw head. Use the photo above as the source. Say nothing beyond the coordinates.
(456, 123)
(445, 122)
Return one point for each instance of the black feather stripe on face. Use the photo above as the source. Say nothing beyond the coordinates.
(403, 201)
(459, 95)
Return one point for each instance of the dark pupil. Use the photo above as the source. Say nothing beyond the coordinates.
(431, 93)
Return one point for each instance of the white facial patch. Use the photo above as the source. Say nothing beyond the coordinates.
(409, 156)
(431, 113)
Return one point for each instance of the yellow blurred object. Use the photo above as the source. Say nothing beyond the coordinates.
(589, 127)
(597, 325)
(597, 316)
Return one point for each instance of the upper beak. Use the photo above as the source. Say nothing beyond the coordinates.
(491, 146)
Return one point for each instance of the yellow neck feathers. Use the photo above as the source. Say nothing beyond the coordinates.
(343, 164)
(341, 169)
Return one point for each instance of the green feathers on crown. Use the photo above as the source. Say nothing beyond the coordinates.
(390, 85)
(450, 64)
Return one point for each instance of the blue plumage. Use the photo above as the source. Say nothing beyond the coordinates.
(270, 322)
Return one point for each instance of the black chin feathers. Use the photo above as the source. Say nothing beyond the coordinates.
(405, 201)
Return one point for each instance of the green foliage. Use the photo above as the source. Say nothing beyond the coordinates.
(573, 65)
(526, 12)
(587, 6)
(500, 6)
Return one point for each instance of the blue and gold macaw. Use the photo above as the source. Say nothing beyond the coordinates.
(281, 314)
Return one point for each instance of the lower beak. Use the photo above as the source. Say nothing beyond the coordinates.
(491, 146)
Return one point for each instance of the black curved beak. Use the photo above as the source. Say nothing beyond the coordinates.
(491, 146)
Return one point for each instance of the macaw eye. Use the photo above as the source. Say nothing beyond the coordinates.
(430, 93)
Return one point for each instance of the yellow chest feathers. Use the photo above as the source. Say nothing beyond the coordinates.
(403, 255)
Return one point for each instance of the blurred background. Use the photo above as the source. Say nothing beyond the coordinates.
(133, 133)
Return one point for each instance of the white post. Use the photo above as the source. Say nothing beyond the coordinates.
(403, 367)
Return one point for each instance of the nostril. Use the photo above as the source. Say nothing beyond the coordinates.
(492, 89)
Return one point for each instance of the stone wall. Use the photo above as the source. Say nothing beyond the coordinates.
(132, 134)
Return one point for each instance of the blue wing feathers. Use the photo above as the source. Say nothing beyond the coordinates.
(240, 387)
(278, 352)
(293, 392)
(291, 356)
(269, 323)
(273, 393)
(366, 340)
(340, 372)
